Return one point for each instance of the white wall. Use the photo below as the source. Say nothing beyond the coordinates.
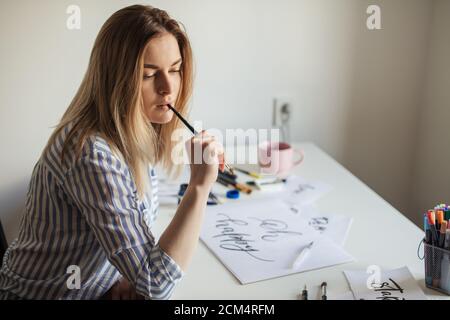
(355, 92)
(431, 183)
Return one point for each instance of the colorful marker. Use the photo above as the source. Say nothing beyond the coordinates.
(442, 234)
(439, 218)
(428, 253)
(431, 222)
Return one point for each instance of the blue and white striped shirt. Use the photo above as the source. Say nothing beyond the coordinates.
(86, 213)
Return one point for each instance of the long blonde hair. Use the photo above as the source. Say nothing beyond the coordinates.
(109, 99)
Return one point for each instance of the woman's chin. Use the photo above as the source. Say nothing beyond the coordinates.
(161, 118)
(159, 114)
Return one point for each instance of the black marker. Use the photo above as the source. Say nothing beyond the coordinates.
(305, 294)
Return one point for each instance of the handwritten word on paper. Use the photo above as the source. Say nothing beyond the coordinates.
(397, 284)
(260, 239)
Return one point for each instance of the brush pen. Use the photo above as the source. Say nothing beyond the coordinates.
(191, 128)
(231, 183)
(251, 174)
(428, 254)
(228, 175)
(434, 233)
(439, 219)
(442, 234)
(224, 183)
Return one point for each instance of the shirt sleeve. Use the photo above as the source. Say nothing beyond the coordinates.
(103, 189)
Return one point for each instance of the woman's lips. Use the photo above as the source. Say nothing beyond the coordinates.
(163, 106)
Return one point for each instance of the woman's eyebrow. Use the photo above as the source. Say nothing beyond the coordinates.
(152, 66)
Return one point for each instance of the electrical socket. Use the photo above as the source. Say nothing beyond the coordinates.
(278, 103)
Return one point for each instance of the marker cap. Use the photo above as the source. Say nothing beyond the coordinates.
(233, 194)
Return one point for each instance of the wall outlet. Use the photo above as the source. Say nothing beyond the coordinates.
(282, 109)
(281, 117)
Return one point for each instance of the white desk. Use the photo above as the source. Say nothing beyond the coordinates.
(380, 235)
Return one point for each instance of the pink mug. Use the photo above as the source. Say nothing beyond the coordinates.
(277, 157)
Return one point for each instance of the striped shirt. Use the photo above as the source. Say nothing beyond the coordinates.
(84, 214)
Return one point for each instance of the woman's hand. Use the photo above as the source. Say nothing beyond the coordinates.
(206, 157)
(123, 290)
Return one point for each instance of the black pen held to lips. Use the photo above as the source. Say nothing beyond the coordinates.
(191, 128)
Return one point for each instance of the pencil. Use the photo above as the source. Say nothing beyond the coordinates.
(191, 128)
(252, 174)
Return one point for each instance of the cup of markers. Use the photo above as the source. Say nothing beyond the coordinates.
(437, 248)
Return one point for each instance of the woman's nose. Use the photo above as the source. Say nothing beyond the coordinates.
(164, 85)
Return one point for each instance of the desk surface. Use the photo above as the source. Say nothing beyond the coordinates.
(380, 235)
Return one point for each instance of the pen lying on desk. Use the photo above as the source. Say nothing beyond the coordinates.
(252, 174)
(305, 293)
(303, 255)
(230, 183)
(323, 286)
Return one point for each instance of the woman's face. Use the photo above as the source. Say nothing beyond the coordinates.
(161, 78)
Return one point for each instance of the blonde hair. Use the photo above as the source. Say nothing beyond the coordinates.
(109, 99)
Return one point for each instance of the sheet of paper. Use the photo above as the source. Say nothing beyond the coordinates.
(334, 226)
(344, 296)
(300, 191)
(397, 284)
(260, 239)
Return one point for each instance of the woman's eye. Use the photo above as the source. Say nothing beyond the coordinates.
(148, 76)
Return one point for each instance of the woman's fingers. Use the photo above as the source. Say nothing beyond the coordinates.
(207, 147)
(222, 162)
(214, 153)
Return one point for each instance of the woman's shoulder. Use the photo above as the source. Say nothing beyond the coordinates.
(98, 151)
(94, 146)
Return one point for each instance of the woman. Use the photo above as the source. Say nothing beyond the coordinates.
(92, 197)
